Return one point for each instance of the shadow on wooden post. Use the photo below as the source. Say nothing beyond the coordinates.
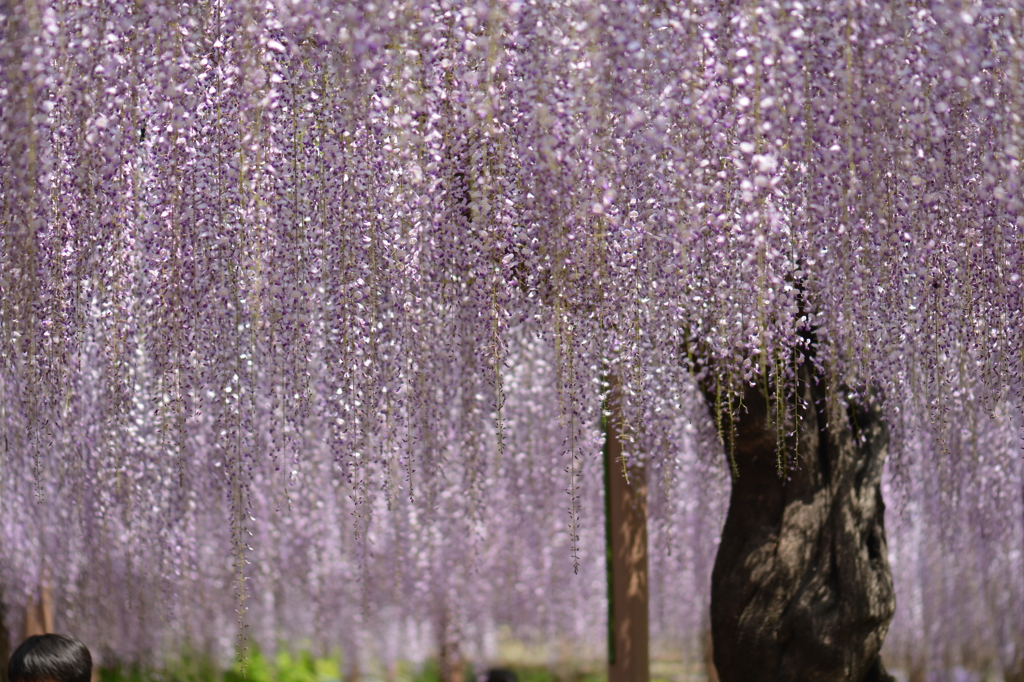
(626, 529)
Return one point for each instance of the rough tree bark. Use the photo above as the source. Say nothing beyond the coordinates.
(801, 588)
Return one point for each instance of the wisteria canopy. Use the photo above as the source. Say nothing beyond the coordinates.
(309, 308)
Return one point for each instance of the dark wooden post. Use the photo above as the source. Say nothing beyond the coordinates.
(39, 612)
(626, 530)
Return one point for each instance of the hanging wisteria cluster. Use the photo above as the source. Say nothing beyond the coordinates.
(308, 308)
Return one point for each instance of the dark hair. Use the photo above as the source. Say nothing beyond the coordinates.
(500, 675)
(50, 658)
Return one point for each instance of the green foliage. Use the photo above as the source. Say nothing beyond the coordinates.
(125, 673)
(286, 667)
(543, 674)
(190, 666)
(428, 673)
(301, 668)
(255, 667)
(304, 667)
(535, 675)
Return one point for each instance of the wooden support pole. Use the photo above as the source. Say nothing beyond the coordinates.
(39, 612)
(626, 530)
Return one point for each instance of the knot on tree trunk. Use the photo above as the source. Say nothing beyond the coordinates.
(801, 587)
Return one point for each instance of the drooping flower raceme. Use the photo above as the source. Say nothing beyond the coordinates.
(309, 306)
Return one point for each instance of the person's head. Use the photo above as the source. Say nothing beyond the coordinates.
(50, 658)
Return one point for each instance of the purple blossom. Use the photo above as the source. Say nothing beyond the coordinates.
(307, 308)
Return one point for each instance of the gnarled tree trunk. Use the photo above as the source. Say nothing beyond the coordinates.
(801, 589)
